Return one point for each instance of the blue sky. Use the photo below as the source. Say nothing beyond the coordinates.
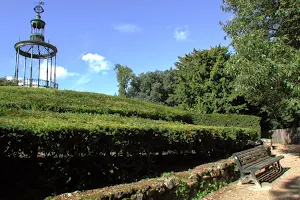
(94, 35)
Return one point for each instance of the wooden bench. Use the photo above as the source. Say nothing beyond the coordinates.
(254, 160)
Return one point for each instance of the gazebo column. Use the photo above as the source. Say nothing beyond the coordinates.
(39, 73)
(47, 73)
(15, 75)
(31, 65)
(51, 71)
(17, 64)
(55, 72)
(24, 80)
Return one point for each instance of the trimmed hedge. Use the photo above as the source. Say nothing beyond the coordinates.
(228, 120)
(71, 134)
(109, 137)
(85, 102)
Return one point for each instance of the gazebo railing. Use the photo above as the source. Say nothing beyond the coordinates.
(37, 83)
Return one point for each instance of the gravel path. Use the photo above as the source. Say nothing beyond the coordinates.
(285, 187)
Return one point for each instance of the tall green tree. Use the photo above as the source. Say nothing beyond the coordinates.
(124, 75)
(265, 35)
(204, 85)
(157, 86)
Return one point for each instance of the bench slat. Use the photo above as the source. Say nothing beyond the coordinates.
(255, 162)
(249, 157)
(255, 151)
(256, 154)
(249, 150)
(252, 158)
(266, 163)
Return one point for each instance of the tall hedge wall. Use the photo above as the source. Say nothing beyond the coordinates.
(114, 139)
(73, 134)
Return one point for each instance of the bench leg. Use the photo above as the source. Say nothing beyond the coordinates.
(243, 178)
(254, 179)
(240, 181)
(279, 166)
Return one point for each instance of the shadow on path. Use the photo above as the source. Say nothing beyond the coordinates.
(289, 149)
(290, 190)
(272, 175)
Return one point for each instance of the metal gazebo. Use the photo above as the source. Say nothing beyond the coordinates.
(36, 49)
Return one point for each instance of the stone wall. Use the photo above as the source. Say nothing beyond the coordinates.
(170, 186)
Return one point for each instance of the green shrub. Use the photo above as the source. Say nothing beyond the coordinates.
(108, 136)
(84, 102)
(71, 134)
(227, 120)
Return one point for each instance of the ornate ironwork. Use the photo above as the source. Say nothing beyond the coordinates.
(39, 9)
(37, 83)
(36, 49)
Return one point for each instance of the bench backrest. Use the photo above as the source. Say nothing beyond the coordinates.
(251, 156)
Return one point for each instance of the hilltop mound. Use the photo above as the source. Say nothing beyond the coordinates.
(61, 101)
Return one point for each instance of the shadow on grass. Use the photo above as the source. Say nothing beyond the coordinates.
(290, 190)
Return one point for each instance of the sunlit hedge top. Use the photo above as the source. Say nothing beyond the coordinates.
(62, 101)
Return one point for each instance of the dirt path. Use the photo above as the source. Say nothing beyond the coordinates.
(286, 187)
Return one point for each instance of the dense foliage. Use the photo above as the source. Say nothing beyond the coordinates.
(85, 102)
(229, 120)
(71, 134)
(92, 103)
(157, 86)
(124, 75)
(203, 84)
(266, 39)
(55, 141)
(82, 151)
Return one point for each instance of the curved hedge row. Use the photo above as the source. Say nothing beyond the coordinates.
(84, 102)
(86, 133)
(69, 134)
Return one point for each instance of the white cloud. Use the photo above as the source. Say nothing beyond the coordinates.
(61, 72)
(9, 78)
(127, 28)
(84, 79)
(181, 33)
(96, 62)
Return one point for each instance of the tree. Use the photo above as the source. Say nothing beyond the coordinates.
(204, 85)
(266, 37)
(158, 86)
(5, 82)
(124, 75)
